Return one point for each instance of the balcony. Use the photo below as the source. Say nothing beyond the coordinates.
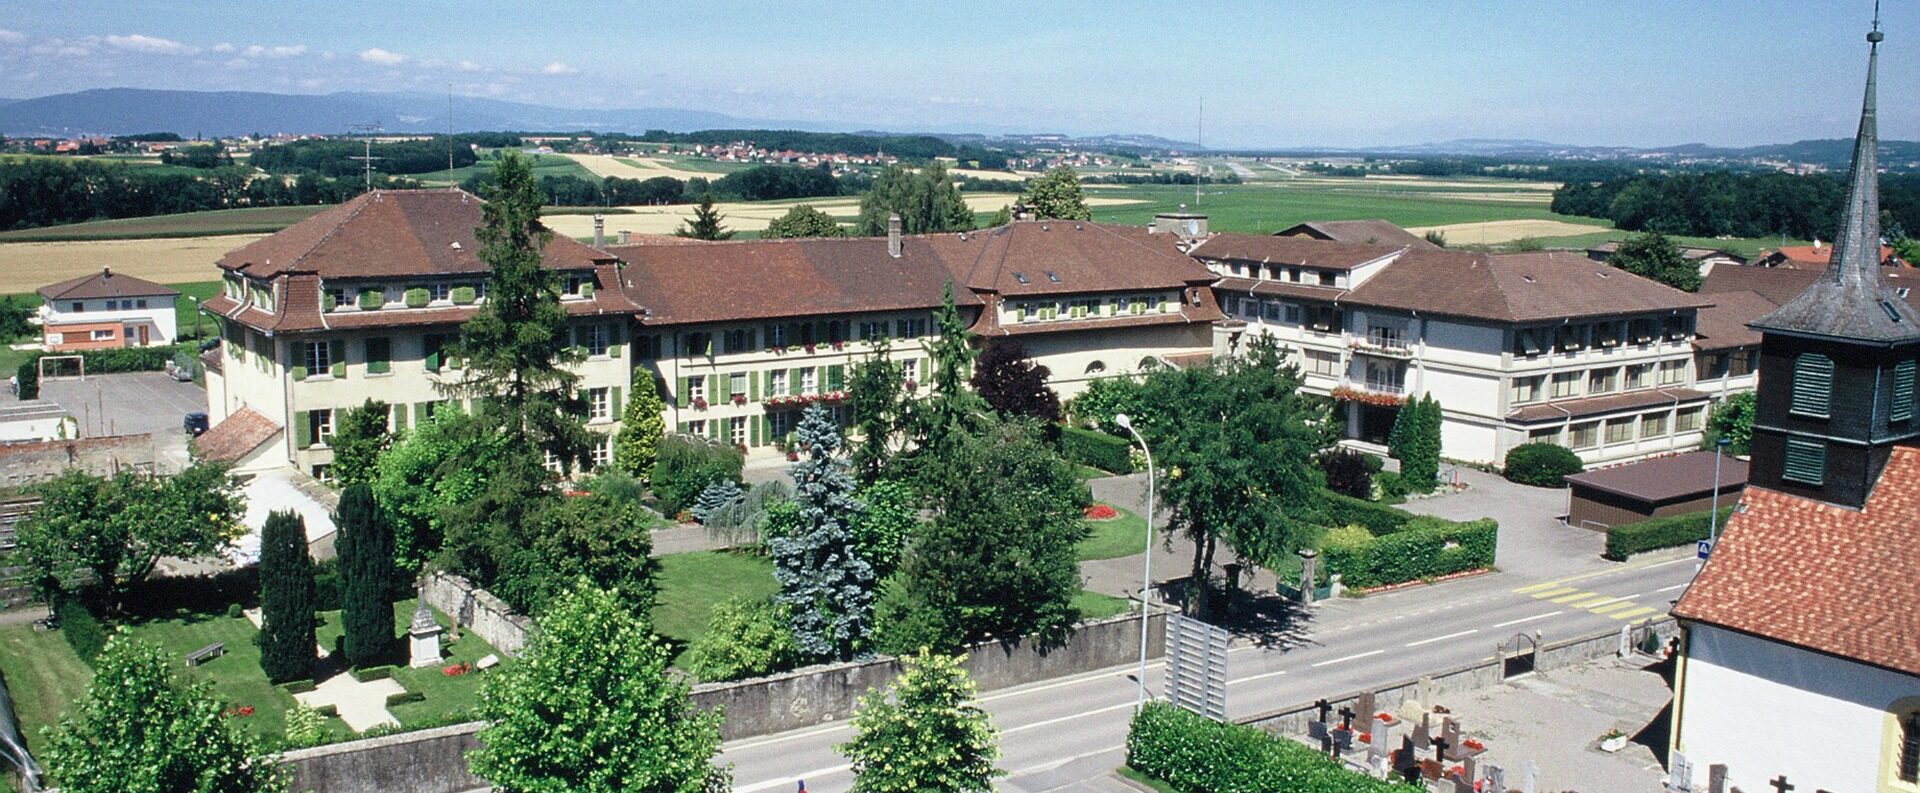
(1387, 345)
(1371, 391)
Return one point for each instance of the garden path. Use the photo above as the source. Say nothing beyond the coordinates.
(362, 706)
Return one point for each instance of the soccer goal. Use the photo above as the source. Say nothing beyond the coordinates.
(65, 367)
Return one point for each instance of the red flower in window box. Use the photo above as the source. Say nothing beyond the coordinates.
(839, 345)
(911, 385)
(699, 403)
(739, 399)
(1099, 512)
(809, 348)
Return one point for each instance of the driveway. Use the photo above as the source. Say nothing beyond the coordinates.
(1533, 541)
(131, 403)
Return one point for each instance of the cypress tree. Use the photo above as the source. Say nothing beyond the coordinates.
(286, 599)
(1420, 444)
(365, 545)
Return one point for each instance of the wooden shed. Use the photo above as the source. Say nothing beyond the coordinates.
(1652, 489)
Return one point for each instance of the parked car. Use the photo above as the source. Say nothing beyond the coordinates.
(183, 374)
(195, 423)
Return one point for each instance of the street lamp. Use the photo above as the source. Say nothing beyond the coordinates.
(1713, 516)
(1146, 568)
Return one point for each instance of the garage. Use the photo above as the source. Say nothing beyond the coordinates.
(1655, 488)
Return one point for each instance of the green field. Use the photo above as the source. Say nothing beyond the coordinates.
(543, 165)
(252, 220)
(1264, 208)
(1749, 247)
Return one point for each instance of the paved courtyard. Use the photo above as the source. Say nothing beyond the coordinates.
(131, 403)
(1532, 539)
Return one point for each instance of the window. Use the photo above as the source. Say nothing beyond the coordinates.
(1566, 384)
(1585, 435)
(142, 303)
(1570, 338)
(1812, 384)
(873, 330)
(1687, 420)
(1608, 334)
(647, 347)
(1676, 328)
(439, 293)
(910, 368)
(1603, 381)
(1326, 277)
(1530, 341)
(1742, 362)
(113, 305)
(1907, 766)
(836, 331)
(1620, 430)
(697, 427)
(1673, 372)
(740, 340)
(1527, 389)
(319, 427)
(379, 355)
(1324, 319)
(1639, 375)
(579, 284)
(319, 358)
(1806, 462)
(1653, 425)
(777, 382)
(1292, 314)
(780, 422)
(737, 430)
(339, 296)
(810, 380)
(1250, 307)
(737, 384)
(913, 328)
(592, 338)
(1902, 408)
(103, 334)
(699, 343)
(696, 387)
(599, 404)
(602, 452)
(1548, 435)
(1389, 336)
(1641, 331)
(1273, 310)
(77, 307)
(1325, 363)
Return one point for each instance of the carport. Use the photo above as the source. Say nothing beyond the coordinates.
(1654, 488)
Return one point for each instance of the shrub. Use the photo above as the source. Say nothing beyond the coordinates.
(1195, 754)
(404, 697)
(1349, 472)
(305, 726)
(1390, 486)
(1732, 419)
(1426, 547)
(328, 585)
(1378, 519)
(1095, 448)
(1541, 464)
(372, 673)
(235, 611)
(685, 465)
(82, 630)
(715, 496)
(301, 686)
(743, 639)
(1628, 539)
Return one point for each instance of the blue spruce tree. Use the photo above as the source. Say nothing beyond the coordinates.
(825, 584)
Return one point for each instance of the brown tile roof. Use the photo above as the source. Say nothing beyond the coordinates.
(390, 234)
(1723, 325)
(1781, 284)
(1363, 232)
(1600, 405)
(1067, 256)
(1819, 576)
(1608, 248)
(104, 284)
(1280, 289)
(1517, 287)
(1303, 251)
(1676, 478)
(1808, 257)
(239, 433)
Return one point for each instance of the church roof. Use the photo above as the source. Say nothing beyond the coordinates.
(1850, 301)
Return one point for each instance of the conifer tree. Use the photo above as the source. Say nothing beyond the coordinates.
(825, 584)
(641, 425)
(286, 599)
(877, 396)
(1419, 443)
(365, 548)
(953, 405)
(705, 224)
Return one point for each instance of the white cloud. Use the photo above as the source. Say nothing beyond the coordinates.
(558, 68)
(75, 48)
(223, 47)
(11, 36)
(257, 50)
(382, 57)
(151, 45)
(468, 66)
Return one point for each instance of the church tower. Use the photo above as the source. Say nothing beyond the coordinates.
(1837, 362)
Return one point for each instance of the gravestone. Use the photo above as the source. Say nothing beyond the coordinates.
(1410, 774)
(1717, 778)
(1440, 747)
(1496, 778)
(423, 638)
(1467, 768)
(1406, 756)
(1461, 784)
(1530, 778)
(1679, 774)
(1366, 707)
(1324, 708)
(1317, 730)
(1450, 730)
(1342, 740)
(1626, 641)
(1379, 747)
(1422, 738)
(1781, 784)
(1346, 718)
(1430, 770)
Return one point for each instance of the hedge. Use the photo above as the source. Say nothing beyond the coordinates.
(1098, 449)
(1628, 539)
(82, 630)
(1541, 464)
(1380, 519)
(372, 673)
(1198, 755)
(1427, 547)
(404, 697)
(108, 361)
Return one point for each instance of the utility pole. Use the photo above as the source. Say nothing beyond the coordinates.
(1199, 138)
(368, 131)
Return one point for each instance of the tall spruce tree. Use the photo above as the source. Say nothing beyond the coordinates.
(365, 548)
(705, 224)
(641, 425)
(286, 599)
(825, 584)
(877, 397)
(953, 406)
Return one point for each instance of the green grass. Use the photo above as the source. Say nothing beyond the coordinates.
(253, 220)
(1094, 605)
(691, 584)
(1264, 208)
(1155, 784)
(543, 165)
(43, 675)
(1749, 247)
(1112, 539)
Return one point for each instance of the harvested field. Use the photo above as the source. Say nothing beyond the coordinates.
(751, 216)
(26, 266)
(633, 167)
(1493, 232)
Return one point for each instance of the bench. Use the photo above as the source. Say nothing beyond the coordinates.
(207, 653)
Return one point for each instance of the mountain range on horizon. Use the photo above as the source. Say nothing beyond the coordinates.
(123, 111)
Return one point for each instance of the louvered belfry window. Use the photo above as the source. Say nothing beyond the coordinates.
(1910, 748)
(1902, 392)
(1806, 462)
(1812, 384)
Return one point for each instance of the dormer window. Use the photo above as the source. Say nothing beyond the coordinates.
(439, 293)
(1812, 385)
(580, 285)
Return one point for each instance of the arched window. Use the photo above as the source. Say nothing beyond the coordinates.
(1096, 367)
(1907, 766)
(1812, 385)
(1900, 749)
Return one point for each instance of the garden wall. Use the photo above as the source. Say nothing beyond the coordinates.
(27, 462)
(479, 611)
(425, 761)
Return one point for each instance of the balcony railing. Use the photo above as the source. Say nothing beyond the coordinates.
(1389, 345)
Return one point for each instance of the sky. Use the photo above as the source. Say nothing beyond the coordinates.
(1270, 74)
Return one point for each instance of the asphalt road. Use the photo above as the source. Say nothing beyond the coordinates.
(1064, 734)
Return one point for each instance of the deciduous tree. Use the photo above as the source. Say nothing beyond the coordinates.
(927, 201)
(1008, 379)
(590, 708)
(358, 440)
(803, 221)
(1732, 419)
(1057, 194)
(118, 528)
(825, 584)
(364, 544)
(924, 734)
(1653, 255)
(286, 599)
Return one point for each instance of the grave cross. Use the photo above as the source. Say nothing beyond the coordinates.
(1410, 773)
(1346, 717)
(1323, 708)
(1781, 784)
(1440, 745)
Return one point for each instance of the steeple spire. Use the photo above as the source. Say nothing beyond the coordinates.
(1851, 301)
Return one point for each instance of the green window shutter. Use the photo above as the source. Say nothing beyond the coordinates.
(683, 428)
(1902, 391)
(1806, 462)
(793, 382)
(764, 428)
(399, 417)
(1812, 384)
(923, 370)
(302, 430)
(299, 372)
(337, 350)
(722, 388)
(753, 388)
(420, 410)
(680, 395)
(836, 377)
(753, 428)
(613, 403)
(767, 376)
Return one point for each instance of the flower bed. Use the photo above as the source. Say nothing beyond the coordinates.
(1100, 512)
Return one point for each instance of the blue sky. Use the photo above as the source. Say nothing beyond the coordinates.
(1630, 72)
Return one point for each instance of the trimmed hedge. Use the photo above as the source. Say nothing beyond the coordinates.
(404, 697)
(1380, 519)
(1541, 464)
(300, 686)
(108, 361)
(82, 630)
(1628, 539)
(1427, 547)
(1198, 755)
(1098, 449)
(372, 673)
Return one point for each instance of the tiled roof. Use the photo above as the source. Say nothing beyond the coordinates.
(239, 433)
(1819, 576)
(1518, 287)
(1808, 257)
(390, 234)
(1280, 288)
(1723, 325)
(1361, 232)
(1066, 256)
(1303, 251)
(1601, 405)
(1682, 476)
(104, 284)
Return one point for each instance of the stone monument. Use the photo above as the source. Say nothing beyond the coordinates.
(423, 637)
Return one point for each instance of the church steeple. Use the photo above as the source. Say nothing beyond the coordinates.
(1851, 301)
(1839, 362)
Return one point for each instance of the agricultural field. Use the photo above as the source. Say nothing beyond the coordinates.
(543, 165)
(1267, 207)
(252, 220)
(748, 216)
(27, 266)
(637, 167)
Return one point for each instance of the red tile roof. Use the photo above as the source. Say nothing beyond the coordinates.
(1303, 251)
(104, 284)
(1820, 576)
(1067, 256)
(239, 433)
(1723, 325)
(1601, 405)
(1808, 257)
(1363, 232)
(1517, 287)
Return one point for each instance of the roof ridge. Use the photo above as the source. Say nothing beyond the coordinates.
(364, 199)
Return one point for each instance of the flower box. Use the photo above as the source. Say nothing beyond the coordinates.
(699, 403)
(739, 399)
(809, 348)
(839, 345)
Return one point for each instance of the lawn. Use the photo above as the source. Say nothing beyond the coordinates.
(691, 584)
(43, 675)
(1095, 606)
(252, 220)
(1267, 207)
(1112, 539)
(543, 165)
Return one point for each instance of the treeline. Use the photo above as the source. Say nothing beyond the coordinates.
(1162, 177)
(336, 156)
(40, 192)
(1729, 204)
(913, 148)
(759, 183)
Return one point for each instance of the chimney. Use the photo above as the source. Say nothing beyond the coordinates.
(625, 236)
(599, 230)
(893, 235)
(106, 272)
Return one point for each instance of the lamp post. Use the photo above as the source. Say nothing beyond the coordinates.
(1713, 516)
(1146, 568)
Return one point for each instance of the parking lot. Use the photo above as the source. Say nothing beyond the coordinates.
(131, 403)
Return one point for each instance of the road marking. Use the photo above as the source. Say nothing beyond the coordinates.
(1535, 588)
(1609, 571)
(1674, 587)
(1085, 678)
(1444, 638)
(1261, 676)
(1613, 607)
(1669, 561)
(1568, 599)
(1526, 619)
(1597, 605)
(1348, 658)
(1065, 760)
(1554, 592)
(789, 782)
(1050, 722)
(1631, 613)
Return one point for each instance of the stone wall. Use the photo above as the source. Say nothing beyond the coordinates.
(479, 611)
(27, 462)
(816, 694)
(426, 761)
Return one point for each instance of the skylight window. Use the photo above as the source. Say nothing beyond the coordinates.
(1891, 313)
(1021, 277)
(1052, 277)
